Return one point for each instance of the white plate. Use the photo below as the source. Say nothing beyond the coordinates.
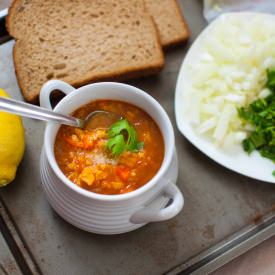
(237, 160)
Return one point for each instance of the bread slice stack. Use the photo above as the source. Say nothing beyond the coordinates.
(170, 23)
(86, 41)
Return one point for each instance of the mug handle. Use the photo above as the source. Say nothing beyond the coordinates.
(50, 86)
(148, 214)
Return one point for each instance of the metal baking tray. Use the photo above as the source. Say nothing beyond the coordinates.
(225, 213)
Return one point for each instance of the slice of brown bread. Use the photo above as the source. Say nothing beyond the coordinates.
(81, 41)
(169, 20)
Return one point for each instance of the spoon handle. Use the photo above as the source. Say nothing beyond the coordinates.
(32, 111)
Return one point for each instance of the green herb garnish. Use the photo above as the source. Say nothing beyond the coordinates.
(123, 137)
(261, 115)
(270, 83)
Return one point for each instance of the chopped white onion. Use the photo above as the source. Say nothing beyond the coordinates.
(207, 125)
(230, 73)
(264, 93)
(235, 98)
(223, 123)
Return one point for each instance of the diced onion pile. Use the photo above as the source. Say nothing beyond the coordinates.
(228, 72)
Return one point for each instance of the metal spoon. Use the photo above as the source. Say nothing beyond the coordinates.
(32, 111)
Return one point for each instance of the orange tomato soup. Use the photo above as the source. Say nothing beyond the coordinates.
(84, 158)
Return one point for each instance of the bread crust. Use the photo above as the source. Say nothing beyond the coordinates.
(157, 9)
(182, 39)
(11, 10)
(118, 76)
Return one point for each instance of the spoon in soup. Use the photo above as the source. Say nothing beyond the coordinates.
(92, 121)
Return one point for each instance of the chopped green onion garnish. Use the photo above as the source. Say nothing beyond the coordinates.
(261, 115)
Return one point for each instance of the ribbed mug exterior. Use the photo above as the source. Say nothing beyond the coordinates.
(111, 217)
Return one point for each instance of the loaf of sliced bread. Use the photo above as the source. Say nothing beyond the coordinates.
(81, 42)
(169, 20)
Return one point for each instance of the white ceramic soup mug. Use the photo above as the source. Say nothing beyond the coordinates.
(109, 214)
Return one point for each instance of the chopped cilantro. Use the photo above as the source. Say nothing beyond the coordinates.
(270, 83)
(261, 115)
(123, 137)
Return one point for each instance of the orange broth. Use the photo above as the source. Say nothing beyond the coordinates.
(83, 157)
